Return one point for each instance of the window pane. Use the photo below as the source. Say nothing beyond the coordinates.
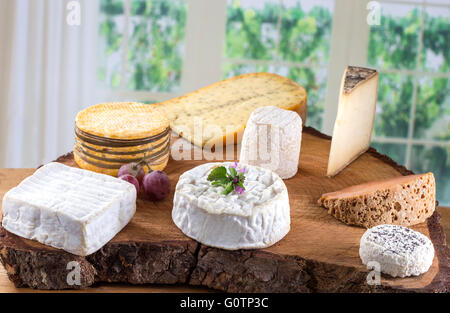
(314, 81)
(432, 118)
(394, 43)
(436, 49)
(111, 23)
(393, 107)
(396, 152)
(306, 31)
(251, 30)
(156, 45)
(434, 159)
(230, 69)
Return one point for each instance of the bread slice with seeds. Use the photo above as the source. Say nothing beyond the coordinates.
(404, 200)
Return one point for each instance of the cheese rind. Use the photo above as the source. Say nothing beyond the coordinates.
(404, 200)
(69, 208)
(122, 120)
(258, 218)
(109, 135)
(272, 139)
(355, 117)
(219, 112)
(399, 251)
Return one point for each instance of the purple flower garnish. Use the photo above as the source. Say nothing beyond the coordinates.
(242, 170)
(239, 189)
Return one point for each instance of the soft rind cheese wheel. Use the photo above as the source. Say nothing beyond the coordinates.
(257, 218)
(122, 120)
(399, 251)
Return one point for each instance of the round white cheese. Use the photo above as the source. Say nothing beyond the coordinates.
(400, 251)
(272, 140)
(257, 218)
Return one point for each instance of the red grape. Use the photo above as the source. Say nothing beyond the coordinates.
(131, 179)
(156, 185)
(133, 169)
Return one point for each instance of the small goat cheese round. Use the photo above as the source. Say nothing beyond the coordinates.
(256, 218)
(399, 251)
(272, 139)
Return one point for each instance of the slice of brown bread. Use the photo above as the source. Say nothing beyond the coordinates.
(404, 200)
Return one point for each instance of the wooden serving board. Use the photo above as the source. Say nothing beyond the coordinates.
(319, 254)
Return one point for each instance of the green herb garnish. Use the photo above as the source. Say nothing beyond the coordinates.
(230, 180)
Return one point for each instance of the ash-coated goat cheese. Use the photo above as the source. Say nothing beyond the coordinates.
(400, 251)
(69, 208)
(256, 218)
(272, 139)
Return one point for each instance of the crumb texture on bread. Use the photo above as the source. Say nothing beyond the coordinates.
(405, 201)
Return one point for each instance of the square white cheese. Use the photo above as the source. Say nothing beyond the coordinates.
(69, 208)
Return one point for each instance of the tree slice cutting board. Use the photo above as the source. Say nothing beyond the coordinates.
(319, 254)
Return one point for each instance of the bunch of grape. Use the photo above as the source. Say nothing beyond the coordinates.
(155, 184)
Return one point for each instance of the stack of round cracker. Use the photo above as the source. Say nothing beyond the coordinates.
(109, 135)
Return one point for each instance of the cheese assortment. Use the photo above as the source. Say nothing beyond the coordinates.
(404, 200)
(69, 208)
(355, 117)
(399, 251)
(224, 205)
(109, 135)
(217, 114)
(272, 140)
(256, 217)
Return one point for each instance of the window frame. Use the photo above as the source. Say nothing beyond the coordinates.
(409, 141)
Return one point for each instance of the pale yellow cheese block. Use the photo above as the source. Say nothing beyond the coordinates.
(217, 114)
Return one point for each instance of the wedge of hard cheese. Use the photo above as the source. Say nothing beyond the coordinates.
(219, 112)
(354, 121)
(404, 200)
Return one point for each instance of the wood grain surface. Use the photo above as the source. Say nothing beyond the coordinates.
(318, 254)
(6, 286)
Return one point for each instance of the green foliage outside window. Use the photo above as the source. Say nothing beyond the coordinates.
(155, 43)
(304, 37)
(394, 45)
